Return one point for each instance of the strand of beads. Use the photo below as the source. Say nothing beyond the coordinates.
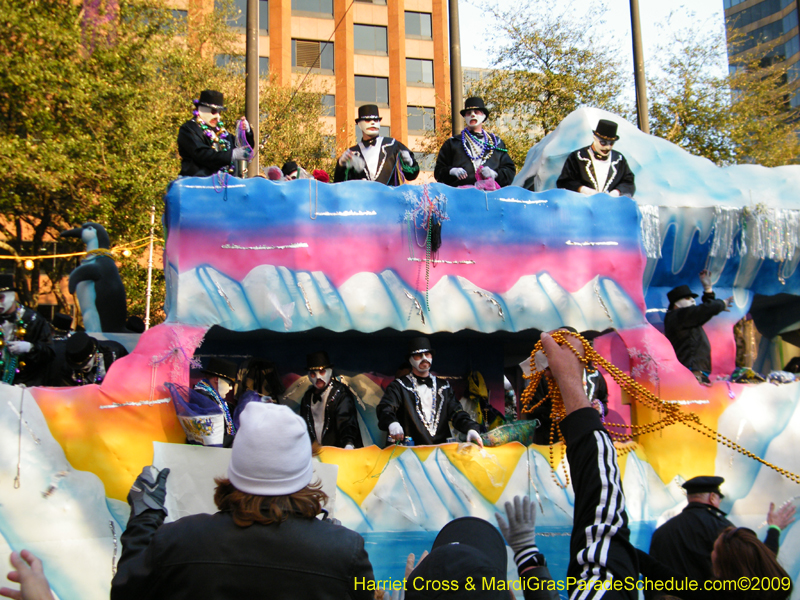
(672, 413)
(9, 362)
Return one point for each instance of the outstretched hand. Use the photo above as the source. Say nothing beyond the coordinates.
(519, 530)
(29, 573)
(783, 517)
(567, 369)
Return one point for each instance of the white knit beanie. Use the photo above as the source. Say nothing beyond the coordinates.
(271, 451)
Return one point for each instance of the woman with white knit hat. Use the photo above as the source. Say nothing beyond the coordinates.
(266, 540)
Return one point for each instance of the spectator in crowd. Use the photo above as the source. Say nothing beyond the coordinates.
(475, 154)
(597, 168)
(421, 406)
(290, 170)
(683, 325)
(29, 574)
(266, 539)
(684, 543)
(376, 158)
(329, 406)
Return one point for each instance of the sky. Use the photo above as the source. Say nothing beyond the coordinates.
(475, 23)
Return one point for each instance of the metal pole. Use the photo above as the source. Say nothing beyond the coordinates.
(638, 69)
(251, 89)
(150, 269)
(456, 81)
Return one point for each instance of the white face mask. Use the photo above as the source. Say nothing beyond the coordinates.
(424, 357)
(370, 128)
(474, 118)
(88, 367)
(7, 300)
(321, 377)
(207, 116)
(684, 302)
(223, 387)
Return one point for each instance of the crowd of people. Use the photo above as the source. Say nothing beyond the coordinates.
(272, 534)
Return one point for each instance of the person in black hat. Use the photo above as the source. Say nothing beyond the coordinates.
(87, 360)
(597, 168)
(422, 406)
(684, 543)
(474, 150)
(290, 170)
(376, 158)
(220, 375)
(25, 336)
(329, 406)
(205, 146)
(683, 325)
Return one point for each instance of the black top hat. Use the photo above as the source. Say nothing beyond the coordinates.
(79, 349)
(703, 484)
(7, 282)
(468, 547)
(475, 103)
(212, 99)
(682, 291)
(318, 360)
(61, 322)
(219, 367)
(368, 112)
(289, 167)
(419, 344)
(606, 129)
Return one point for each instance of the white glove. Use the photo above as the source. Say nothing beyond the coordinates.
(474, 437)
(239, 153)
(17, 348)
(520, 529)
(246, 124)
(405, 155)
(587, 191)
(345, 158)
(488, 173)
(349, 447)
(396, 431)
(458, 173)
(614, 193)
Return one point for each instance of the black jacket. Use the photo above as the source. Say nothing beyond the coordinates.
(452, 155)
(209, 556)
(578, 170)
(37, 361)
(110, 351)
(199, 158)
(341, 421)
(390, 169)
(399, 403)
(684, 330)
(684, 543)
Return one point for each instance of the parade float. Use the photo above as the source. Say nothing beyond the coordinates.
(256, 268)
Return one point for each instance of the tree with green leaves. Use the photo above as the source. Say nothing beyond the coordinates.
(547, 63)
(741, 115)
(92, 99)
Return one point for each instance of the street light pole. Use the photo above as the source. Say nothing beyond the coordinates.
(251, 86)
(456, 81)
(638, 69)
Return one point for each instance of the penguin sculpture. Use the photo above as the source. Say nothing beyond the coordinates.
(96, 282)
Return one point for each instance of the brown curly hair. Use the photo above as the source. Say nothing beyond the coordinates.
(249, 508)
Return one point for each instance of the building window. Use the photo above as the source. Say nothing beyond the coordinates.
(385, 131)
(421, 118)
(418, 25)
(419, 72)
(370, 39)
(372, 90)
(380, 2)
(314, 7)
(311, 54)
(328, 105)
(233, 62)
(180, 20)
(239, 18)
(263, 66)
(426, 162)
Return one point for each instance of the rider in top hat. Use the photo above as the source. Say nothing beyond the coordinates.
(474, 150)
(597, 168)
(329, 406)
(421, 406)
(204, 144)
(683, 325)
(25, 350)
(376, 158)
